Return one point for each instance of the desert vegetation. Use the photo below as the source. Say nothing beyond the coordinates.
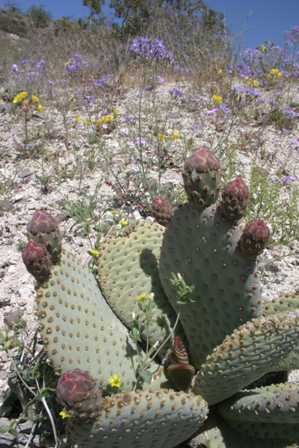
(97, 122)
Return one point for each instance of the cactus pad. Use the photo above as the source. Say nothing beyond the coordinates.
(202, 248)
(253, 350)
(78, 327)
(146, 419)
(128, 270)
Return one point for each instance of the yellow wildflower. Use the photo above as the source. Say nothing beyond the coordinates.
(275, 73)
(217, 100)
(115, 113)
(175, 135)
(105, 119)
(94, 253)
(123, 222)
(253, 82)
(143, 297)
(161, 137)
(65, 414)
(20, 97)
(34, 99)
(78, 119)
(40, 108)
(263, 49)
(115, 381)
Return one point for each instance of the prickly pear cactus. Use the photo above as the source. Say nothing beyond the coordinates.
(207, 263)
(200, 269)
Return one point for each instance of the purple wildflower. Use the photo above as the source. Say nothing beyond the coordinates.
(288, 179)
(15, 68)
(175, 92)
(102, 82)
(293, 35)
(250, 91)
(290, 113)
(40, 65)
(150, 49)
(75, 64)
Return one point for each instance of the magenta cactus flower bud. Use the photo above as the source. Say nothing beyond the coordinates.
(235, 198)
(201, 177)
(177, 368)
(162, 210)
(254, 238)
(43, 228)
(37, 260)
(78, 391)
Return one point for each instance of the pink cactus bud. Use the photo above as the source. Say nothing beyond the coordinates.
(179, 351)
(37, 260)
(254, 238)
(74, 386)
(235, 198)
(42, 222)
(43, 228)
(79, 392)
(201, 178)
(162, 210)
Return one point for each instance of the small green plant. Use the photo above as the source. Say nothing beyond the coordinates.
(268, 202)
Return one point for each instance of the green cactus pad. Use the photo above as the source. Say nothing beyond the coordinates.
(201, 247)
(287, 302)
(277, 403)
(128, 270)
(78, 327)
(141, 420)
(277, 431)
(253, 350)
(223, 436)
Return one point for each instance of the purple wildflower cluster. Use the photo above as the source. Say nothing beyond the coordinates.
(75, 64)
(103, 82)
(175, 92)
(29, 71)
(292, 35)
(248, 91)
(150, 49)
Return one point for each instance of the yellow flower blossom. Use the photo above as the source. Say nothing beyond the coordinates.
(275, 73)
(123, 222)
(94, 253)
(115, 381)
(34, 99)
(78, 119)
(217, 100)
(40, 108)
(143, 297)
(20, 97)
(253, 82)
(105, 119)
(175, 135)
(161, 137)
(65, 414)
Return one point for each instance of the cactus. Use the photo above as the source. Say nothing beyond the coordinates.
(162, 210)
(43, 229)
(135, 419)
(201, 270)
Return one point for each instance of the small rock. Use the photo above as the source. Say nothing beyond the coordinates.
(12, 317)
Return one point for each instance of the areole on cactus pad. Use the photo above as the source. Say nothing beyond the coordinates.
(217, 337)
